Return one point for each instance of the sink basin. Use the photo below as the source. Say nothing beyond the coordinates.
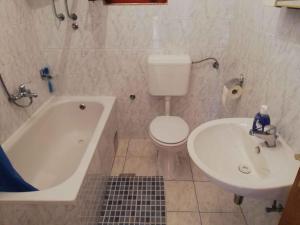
(241, 163)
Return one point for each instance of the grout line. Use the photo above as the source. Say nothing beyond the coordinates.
(218, 212)
(157, 166)
(195, 190)
(113, 164)
(176, 211)
(246, 222)
(127, 148)
(174, 179)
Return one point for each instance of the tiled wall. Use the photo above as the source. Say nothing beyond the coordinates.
(265, 45)
(107, 55)
(20, 61)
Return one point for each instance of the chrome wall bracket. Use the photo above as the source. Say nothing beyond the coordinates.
(72, 16)
(59, 16)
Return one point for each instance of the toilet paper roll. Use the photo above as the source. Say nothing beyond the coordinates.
(230, 94)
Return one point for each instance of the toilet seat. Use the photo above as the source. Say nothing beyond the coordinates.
(169, 130)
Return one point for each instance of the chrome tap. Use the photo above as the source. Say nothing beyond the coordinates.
(23, 92)
(269, 135)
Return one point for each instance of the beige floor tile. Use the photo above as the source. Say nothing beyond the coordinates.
(254, 211)
(183, 218)
(123, 147)
(180, 196)
(212, 198)
(198, 174)
(141, 166)
(141, 148)
(181, 170)
(222, 219)
(118, 166)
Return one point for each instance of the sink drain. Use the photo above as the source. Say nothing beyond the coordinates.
(244, 169)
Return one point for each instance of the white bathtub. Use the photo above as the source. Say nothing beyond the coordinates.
(54, 148)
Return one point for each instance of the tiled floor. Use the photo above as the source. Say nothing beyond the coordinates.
(133, 200)
(191, 198)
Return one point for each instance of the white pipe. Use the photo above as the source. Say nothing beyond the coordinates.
(168, 105)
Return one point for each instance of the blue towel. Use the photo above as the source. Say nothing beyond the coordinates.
(10, 180)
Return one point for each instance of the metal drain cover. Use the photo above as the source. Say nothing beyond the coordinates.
(244, 169)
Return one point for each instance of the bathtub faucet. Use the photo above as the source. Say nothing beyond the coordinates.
(22, 92)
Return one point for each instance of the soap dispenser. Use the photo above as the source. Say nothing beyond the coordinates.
(261, 120)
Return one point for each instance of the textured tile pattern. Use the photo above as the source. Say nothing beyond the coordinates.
(265, 45)
(187, 202)
(132, 200)
(198, 174)
(141, 148)
(254, 211)
(212, 198)
(183, 218)
(21, 60)
(118, 166)
(181, 170)
(223, 219)
(123, 147)
(107, 56)
(181, 196)
(141, 166)
(197, 201)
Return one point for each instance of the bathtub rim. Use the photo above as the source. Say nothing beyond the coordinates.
(74, 182)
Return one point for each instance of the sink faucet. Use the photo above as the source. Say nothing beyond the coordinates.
(269, 135)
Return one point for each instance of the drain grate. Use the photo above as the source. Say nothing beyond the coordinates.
(133, 200)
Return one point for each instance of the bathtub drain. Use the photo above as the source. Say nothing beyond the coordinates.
(82, 106)
(244, 169)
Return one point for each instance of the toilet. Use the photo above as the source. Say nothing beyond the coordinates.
(168, 76)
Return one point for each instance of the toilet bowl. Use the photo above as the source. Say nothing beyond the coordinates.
(169, 133)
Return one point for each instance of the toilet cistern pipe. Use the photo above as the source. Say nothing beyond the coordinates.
(168, 105)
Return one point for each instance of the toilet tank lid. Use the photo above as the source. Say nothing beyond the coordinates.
(169, 59)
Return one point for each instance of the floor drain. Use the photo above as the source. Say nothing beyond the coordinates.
(244, 169)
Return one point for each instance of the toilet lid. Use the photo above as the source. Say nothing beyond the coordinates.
(169, 129)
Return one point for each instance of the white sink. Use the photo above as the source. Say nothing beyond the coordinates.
(223, 148)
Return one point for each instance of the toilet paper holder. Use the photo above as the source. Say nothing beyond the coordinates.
(236, 81)
(232, 91)
(242, 80)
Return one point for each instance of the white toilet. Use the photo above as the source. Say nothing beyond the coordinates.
(169, 76)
